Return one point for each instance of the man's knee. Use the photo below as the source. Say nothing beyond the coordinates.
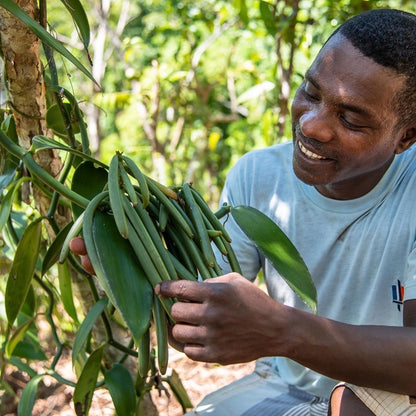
(345, 403)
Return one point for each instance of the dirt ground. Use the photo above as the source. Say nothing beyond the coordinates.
(54, 399)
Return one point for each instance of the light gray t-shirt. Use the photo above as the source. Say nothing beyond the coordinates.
(361, 252)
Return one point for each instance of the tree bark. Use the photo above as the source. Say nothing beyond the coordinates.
(26, 93)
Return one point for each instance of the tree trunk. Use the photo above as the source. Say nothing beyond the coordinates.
(26, 93)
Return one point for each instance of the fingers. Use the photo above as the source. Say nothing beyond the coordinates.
(77, 245)
(86, 264)
(183, 289)
(193, 291)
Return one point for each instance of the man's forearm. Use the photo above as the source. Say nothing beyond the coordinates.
(374, 356)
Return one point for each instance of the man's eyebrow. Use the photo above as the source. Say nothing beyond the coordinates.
(311, 79)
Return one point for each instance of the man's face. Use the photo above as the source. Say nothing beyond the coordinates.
(343, 122)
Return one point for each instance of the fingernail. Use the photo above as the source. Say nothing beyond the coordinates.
(157, 289)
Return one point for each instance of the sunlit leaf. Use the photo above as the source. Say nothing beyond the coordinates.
(278, 248)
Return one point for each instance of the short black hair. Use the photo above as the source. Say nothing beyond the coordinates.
(388, 36)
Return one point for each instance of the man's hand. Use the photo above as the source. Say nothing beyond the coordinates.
(226, 319)
(77, 245)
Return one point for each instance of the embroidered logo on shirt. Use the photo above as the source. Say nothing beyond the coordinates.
(398, 294)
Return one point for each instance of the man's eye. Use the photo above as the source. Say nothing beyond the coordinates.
(310, 92)
(350, 125)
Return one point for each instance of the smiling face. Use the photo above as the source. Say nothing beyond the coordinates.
(344, 125)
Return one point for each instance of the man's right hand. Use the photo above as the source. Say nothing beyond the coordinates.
(77, 245)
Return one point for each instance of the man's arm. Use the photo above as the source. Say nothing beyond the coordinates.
(229, 320)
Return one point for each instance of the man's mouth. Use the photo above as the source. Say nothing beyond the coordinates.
(308, 153)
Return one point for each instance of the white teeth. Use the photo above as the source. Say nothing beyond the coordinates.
(308, 153)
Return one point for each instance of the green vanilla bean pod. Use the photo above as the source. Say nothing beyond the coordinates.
(224, 210)
(195, 254)
(174, 213)
(215, 236)
(231, 256)
(146, 263)
(163, 217)
(148, 243)
(127, 185)
(175, 244)
(199, 225)
(216, 223)
(161, 325)
(157, 239)
(140, 178)
(181, 270)
(144, 354)
(115, 194)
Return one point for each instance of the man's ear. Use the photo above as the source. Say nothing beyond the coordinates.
(407, 141)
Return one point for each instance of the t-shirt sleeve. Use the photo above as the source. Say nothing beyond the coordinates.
(410, 276)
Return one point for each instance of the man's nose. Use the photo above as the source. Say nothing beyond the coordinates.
(316, 124)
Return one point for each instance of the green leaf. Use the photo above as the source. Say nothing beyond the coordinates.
(87, 381)
(278, 248)
(27, 399)
(97, 180)
(266, 13)
(23, 268)
(86, 327)
(17, 337)
(179, 391)
(80, 18)
(65, 289)
(54, 250)
(44, 36)
(121, 275)
(29, 351)
(121, 388)
(55, 121)
(241, 5)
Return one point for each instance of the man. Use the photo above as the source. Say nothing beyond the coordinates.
(348, 205)
(344, 192)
